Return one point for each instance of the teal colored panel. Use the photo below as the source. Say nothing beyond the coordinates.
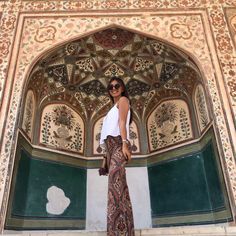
(178, 187)
(31, 189)
(213, 178)
(21, 188)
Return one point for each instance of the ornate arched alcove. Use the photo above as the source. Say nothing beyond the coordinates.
(77, 73)
(172, 134)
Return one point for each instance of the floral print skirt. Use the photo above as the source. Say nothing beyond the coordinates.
(119, 209)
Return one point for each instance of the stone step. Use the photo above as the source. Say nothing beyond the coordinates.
(167, 231)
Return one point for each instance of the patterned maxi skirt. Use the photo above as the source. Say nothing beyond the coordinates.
(119, 208)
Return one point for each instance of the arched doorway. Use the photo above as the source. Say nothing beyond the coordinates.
(172, 135)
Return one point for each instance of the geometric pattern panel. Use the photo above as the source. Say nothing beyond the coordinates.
(168, 124)
(27, 122)
(201, 107)
(133, 137)
(78, 72)
(83, 67)
(62, 128)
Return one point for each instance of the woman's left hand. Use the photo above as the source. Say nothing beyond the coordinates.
(126, 152)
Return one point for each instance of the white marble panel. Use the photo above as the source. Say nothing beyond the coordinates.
(137, 178)
(96, 200)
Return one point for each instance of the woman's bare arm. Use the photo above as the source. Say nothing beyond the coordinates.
(123, 106)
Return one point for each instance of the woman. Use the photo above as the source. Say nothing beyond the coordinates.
(114, 134)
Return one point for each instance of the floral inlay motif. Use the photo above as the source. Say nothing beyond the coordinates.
(62, 128)
(4, 47)
(8, 23)
(27, 123)
(201, 107)
(63, 116)
(180, 31)
(169, 124)
(166, 112)
(111, 39)
(45, 34)
(232, 85)
(224, 44)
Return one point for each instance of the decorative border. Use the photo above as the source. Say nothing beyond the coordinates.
(144, 22)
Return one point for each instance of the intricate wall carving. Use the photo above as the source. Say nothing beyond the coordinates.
(201, 107)
(62, 128)
(96, 136)
(78, 72)
(231, 18)
(134, 137)
(168, 124)
(29, 112)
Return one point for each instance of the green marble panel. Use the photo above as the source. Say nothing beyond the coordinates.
(178, 187)
(34, 178)
(189, 189)
(186, 186)
(214, 179)
(21, 188)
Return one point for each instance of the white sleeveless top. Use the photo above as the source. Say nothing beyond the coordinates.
(110, 124)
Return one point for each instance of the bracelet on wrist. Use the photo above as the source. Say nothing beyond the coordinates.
(125, 141)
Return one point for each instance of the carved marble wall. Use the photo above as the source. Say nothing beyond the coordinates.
(26, 36)
(169, 123)
(230, 14)
(61, 128)
(201, 107)
(29, 114)
(78, 72)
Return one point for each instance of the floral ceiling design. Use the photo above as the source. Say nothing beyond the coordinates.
(78, 73)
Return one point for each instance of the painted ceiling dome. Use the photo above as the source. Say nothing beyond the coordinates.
(78, 72)
(68, 88)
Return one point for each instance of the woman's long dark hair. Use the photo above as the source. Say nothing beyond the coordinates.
(123, 94)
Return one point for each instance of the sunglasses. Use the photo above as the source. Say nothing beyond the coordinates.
(111, 86)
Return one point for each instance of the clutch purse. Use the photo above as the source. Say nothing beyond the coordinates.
(103, 170)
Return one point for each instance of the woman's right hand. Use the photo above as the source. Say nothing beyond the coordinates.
(126, 152)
